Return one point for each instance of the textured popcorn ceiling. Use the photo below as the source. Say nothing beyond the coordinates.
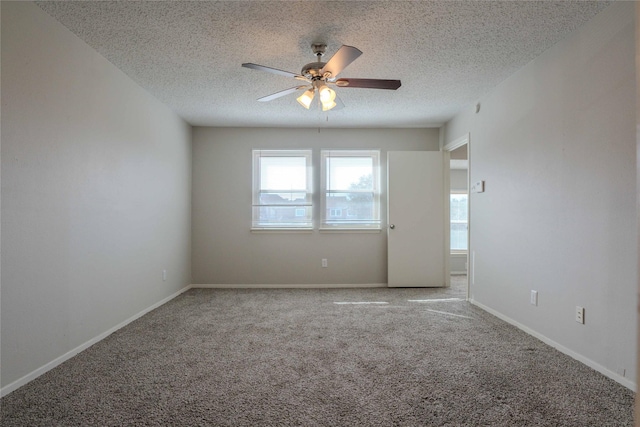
(447, 53)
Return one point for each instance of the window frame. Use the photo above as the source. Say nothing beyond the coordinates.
(327, 224)
(256, 224)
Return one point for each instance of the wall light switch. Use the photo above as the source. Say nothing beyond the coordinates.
(477, 187)
(534, 298)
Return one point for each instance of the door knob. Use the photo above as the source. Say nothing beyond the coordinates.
(392, 226)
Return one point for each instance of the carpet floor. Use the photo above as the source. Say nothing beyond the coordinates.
(320, 357)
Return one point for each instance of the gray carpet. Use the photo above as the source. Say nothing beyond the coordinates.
(295, 357)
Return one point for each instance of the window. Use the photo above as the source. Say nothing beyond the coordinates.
(282, 189)
(335, 213)
(459, 208)
(350, 189)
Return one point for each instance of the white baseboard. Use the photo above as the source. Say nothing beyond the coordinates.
(460, 273)
(580, 358)
(68, 355)
(290, 286)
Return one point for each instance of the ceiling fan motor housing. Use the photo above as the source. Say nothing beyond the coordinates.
(313, 70)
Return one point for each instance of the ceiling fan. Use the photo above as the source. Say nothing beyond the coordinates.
(320, 75)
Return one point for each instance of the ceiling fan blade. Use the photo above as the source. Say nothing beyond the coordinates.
(271, 70)
(369, 83)
(281, 93)
(341, 59)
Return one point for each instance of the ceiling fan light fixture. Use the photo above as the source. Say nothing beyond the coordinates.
(326, 106)
(326, 94)
(306, 98)
(318, 74)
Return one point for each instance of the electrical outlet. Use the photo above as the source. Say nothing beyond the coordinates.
(164, 275)
(580, 314)
(534, 298)
(324, 263)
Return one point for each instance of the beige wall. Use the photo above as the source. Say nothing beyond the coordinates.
(95, 195)
(556, 146)
(226, 252)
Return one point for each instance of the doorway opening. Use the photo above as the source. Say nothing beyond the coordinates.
(458, 227)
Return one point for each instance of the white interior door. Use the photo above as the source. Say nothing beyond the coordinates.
(416, 217)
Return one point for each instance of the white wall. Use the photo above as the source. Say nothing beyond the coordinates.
(95, 195)
(224, 250)
(556, 146)
(458, 180)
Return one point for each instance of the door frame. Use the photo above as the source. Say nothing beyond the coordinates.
(448, 148)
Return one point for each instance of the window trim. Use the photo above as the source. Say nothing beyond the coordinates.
(373, 226)
(256, 226)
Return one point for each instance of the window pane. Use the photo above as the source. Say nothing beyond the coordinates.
(459, 207)
(282, 216)
(459, 237)
(352, 206)
(283, 173)
(458, 217)
(345, 173)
